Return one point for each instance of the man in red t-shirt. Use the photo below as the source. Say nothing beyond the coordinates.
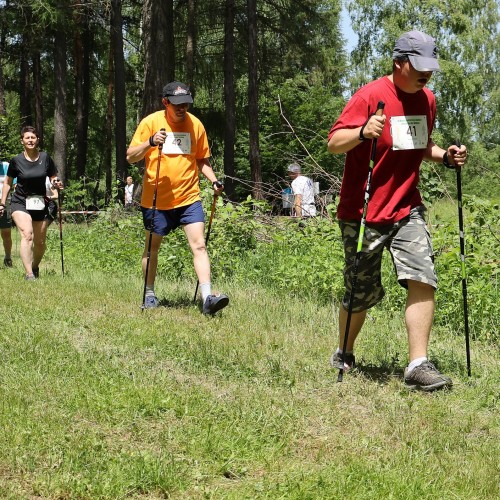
(394, 217)
(184, 154)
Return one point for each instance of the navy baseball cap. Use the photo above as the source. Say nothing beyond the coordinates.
(420, 49)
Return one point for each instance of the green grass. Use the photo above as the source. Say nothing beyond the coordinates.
(99, 399)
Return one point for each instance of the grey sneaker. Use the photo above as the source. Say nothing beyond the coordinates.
(30, 277)
(426, 377)
(214, 303)
(349, 362)
(151, 302)
(7, 262)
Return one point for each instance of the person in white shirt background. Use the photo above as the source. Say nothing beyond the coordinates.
(303, 190)
(129, 192)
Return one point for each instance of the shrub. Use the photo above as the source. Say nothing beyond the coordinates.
(304, 258)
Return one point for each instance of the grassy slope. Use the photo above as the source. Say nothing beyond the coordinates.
(101, 400)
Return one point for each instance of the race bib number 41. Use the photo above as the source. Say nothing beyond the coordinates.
(177, 143)
(409, 132)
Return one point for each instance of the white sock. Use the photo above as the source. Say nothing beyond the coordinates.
(150, 290)
(340, 351)
(206, 290)
(416, 362)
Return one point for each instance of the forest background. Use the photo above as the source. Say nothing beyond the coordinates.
(269, 78)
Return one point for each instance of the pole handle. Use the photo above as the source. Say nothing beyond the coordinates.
(160, 146)
(380, 108)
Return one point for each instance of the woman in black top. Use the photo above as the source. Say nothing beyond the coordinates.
(29, 203)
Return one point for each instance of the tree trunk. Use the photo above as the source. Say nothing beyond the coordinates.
(120, 95)
(158, 50)
(229, 99)
(60, 108)
(24, 85)
(3, 108)
(190, 41)
(82, 84)
(37, 95)
(253, 101)
(109, 129)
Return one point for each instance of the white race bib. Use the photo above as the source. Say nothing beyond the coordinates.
(35, 202)
(177, 143)
(409, 132)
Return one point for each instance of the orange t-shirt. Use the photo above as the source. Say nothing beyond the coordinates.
(178, 179)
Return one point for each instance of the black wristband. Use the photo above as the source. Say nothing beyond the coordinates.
(152, 142)
(361, 136)
(446, 162)
(216, 185)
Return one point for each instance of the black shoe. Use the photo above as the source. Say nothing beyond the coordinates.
(214, 303)
(348, 364)
(36, 272)
(426, 377)
(7, 262)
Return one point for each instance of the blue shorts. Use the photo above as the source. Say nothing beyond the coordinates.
(168, 220)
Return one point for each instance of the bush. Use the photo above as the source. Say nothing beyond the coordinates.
(304, 258)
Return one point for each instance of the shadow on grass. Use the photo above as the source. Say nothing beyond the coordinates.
(177, 302)
(380, 373)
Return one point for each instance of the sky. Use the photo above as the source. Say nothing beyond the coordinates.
(349, 35)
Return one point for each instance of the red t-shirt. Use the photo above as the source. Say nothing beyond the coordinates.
(400, 151)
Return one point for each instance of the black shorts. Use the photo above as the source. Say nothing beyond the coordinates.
(36, 215)
(5, 220)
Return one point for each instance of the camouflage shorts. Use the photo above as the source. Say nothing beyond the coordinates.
(409, 244)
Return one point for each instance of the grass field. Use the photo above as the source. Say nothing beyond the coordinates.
(102, 400)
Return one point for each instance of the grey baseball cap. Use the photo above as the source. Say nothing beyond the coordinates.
(420, 49)
(294, 168)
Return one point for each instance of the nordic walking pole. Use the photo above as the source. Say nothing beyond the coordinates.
(151, 225)
(462, 260)
(354, 276)
(212, 212)
(60, 229)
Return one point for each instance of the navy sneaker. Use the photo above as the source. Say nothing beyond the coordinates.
(151, 302)
(214, 303)
(349, 361)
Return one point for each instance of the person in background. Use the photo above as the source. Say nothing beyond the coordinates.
(303, 191)
(184, 154)
(6, 220)
(129, 193)
(52, 195)
(395, 216)
(28, 203)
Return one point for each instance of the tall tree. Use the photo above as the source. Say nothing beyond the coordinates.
(37, 96)
(108, 134)
(191, 35)
(60, 106)
(229, 98)
(120, 95)
(24, 83)
(82, 49)
(253, 101)
(158, 51)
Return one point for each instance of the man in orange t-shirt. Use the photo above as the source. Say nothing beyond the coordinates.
(184, 153)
